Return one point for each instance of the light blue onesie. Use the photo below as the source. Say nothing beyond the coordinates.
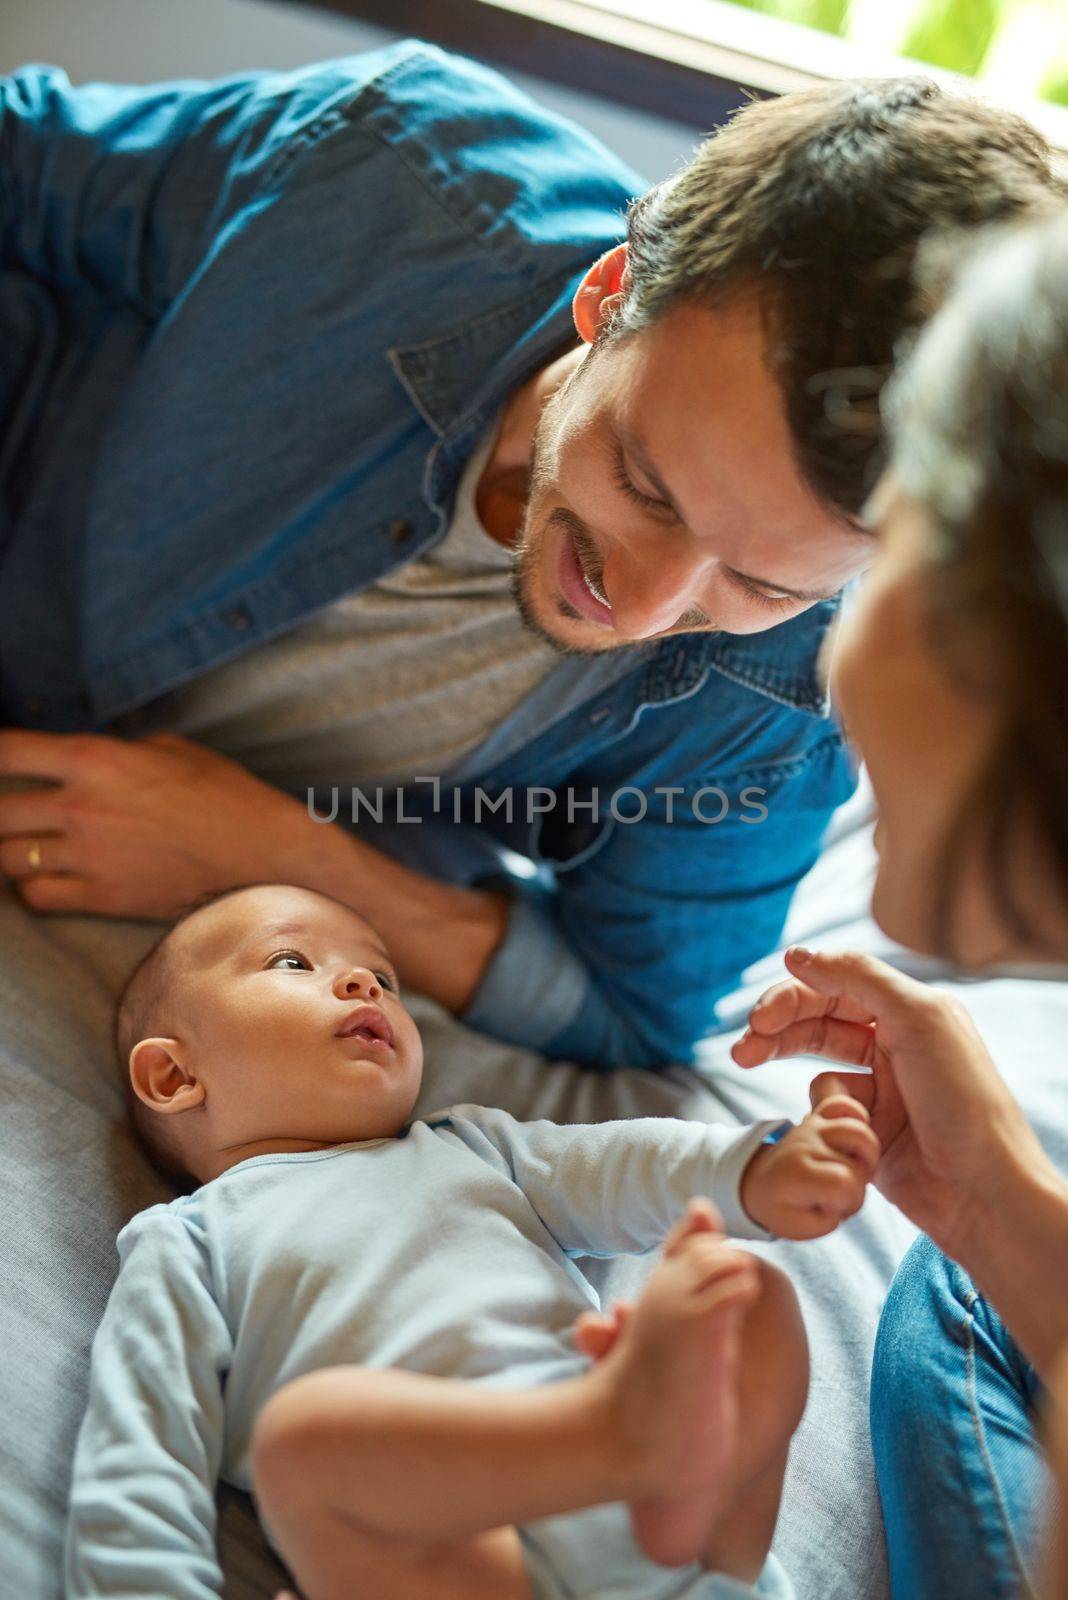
(445, 1251)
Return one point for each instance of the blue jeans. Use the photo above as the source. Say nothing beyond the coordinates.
(961, 1477)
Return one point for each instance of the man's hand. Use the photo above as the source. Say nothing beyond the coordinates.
(139, 828)
(815, 1177)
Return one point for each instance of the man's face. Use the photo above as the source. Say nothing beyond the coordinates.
(294, 1020)
(664, 495)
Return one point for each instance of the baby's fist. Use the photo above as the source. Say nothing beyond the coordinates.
(814, 1178)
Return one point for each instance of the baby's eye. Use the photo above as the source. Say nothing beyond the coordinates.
(385, 980)
(298, 963)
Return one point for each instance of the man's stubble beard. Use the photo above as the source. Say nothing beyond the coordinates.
(531, 536)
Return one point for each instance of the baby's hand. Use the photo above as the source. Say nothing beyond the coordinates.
(815, 1177)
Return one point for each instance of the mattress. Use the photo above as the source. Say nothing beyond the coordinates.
(71, 1176)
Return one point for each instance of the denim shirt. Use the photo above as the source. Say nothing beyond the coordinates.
(253, 329)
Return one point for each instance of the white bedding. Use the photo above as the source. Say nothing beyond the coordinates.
(71, 1176)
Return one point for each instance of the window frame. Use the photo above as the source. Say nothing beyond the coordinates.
(694, 64)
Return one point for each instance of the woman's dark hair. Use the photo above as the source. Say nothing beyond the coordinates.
(978, 420)
(818, 200)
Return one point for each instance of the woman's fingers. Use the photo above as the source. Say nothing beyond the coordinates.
(793, 1000)
(828, 1088)
(868, 987)
(852, 1043)
(831, 1006)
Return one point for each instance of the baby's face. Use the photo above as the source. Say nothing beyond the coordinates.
(292, 1020)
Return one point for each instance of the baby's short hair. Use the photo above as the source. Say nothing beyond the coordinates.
(141, 1013)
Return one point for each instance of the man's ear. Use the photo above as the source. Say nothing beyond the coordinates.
(599, 293)
(160, 1080)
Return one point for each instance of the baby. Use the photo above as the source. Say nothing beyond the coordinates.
(378, 1325)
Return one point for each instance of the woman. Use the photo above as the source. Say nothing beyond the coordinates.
(951, 675)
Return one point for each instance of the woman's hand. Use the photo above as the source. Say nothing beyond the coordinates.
(139, 828)
(950, 1130)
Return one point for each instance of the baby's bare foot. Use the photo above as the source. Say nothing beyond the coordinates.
(674, 1372)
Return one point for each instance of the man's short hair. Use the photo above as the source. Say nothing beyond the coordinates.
(818, 201)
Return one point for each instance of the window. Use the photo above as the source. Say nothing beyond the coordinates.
(1015, 48)
(693, 59)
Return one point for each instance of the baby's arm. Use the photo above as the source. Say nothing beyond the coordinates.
(613, 1188)
(142, 1505)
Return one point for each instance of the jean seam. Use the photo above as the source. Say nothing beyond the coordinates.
(980, 1436)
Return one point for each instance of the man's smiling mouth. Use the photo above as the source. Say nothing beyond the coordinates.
(594, 587)
(581, 591)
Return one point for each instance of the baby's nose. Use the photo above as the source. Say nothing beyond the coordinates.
(358, 980)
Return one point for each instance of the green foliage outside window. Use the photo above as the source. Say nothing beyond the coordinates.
(1012, 45)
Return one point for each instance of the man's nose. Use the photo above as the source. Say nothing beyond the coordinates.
(649, 596)
(358, 983)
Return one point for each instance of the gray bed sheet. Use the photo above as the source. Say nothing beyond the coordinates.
(72, 1176)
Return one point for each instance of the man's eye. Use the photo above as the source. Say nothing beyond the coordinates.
(626, 483)
(297, 962)
(773, 601)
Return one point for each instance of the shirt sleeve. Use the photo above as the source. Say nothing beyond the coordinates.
(617, 1188)
(130, 191)
(142, 1506)
(624, 961)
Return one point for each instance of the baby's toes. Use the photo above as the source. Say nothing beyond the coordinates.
(708, 1260)
(700, 1217)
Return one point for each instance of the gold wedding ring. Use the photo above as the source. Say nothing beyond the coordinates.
(33, 856)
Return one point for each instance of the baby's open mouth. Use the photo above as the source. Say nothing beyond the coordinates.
(367, 1023)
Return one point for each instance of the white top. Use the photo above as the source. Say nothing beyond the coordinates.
(447, 1251)
(404, 678)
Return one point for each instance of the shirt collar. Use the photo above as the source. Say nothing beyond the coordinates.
(459, 377)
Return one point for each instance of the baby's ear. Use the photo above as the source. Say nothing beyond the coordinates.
(160, 1079)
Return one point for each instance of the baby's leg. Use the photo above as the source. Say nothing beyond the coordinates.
(414, 1483)
(744, 1403)
(419, 1480)
(772, 1390)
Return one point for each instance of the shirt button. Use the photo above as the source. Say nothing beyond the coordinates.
(400, 530)
(239, 618)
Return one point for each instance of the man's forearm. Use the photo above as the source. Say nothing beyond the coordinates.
(441, 937)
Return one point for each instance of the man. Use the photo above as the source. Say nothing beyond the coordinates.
(325, 446)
